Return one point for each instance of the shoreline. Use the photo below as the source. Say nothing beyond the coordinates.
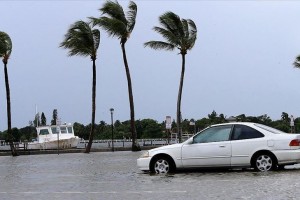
(75, 150)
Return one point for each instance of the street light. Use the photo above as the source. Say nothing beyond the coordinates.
(112, 128)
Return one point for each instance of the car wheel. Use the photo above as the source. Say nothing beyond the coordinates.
(162, 165)
(264, 162)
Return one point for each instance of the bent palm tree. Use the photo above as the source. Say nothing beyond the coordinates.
(117, 24)
(5, 51)
(82, 40)
(180, 34)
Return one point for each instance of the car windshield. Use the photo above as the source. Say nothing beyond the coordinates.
(270, 129)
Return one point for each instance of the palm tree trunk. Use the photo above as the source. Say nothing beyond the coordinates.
(91, 137)
(179, 99)
(135, 145)
(12, 148)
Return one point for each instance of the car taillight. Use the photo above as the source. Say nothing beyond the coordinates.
(294, 143)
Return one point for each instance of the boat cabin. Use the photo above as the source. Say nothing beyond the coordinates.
(54, 132)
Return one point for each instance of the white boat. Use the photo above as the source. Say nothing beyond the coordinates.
(52, 137)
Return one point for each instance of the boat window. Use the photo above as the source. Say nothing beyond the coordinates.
(70, 130)
(44, 132)
(54, 130)
(63, 129)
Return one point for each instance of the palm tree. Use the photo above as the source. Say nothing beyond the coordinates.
(180, 34)
(82, 40)
(5, 51)
(117, 24)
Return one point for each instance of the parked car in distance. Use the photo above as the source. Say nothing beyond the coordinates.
(232, 145)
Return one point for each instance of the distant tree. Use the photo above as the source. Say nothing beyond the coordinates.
(124, 130)
(285, 117)
(222, 118)
(81, 39)
(37, 120)
(264, 119)
(5, 52)
(151, 129)
(16, 134)
(79, 131)
(180, 34)
(54, 117)
(43, 119)
(241, 118)
(212, 117)
(185, 125)
(118, 24)
(28, 133)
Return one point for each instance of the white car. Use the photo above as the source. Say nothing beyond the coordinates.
(232, 145)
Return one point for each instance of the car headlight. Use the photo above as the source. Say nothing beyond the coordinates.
(145, 154)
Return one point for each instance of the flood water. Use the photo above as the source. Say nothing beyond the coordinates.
(114, 175)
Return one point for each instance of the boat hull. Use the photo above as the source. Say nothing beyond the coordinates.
(63, 144)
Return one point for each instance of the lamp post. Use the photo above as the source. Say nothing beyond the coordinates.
(112, 128)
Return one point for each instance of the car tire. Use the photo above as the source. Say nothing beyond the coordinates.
(264, 162)
(162, 165)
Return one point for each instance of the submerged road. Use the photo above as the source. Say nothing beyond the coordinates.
(114, 175)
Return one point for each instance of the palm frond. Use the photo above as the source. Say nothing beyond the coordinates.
(178, 33)
(131, 16)
(5, 45)
(186, 31)
(168, 35)
(112, 26)
(192, 34)
(81, 40)
(167, 21)
(96, 38)
(159, 45)
(297, 62)
(114, 10)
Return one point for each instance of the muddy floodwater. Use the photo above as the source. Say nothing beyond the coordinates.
(114, 175)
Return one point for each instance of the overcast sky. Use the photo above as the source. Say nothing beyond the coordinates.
(241, 63)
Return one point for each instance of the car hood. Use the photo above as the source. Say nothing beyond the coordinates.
(172, 146)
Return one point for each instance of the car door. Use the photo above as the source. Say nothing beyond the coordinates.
(245, 140)
(210, 147)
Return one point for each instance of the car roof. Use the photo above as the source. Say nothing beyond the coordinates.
(235, 123)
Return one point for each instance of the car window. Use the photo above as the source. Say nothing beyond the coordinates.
(241, 132)
(213, 134)
(270, 129)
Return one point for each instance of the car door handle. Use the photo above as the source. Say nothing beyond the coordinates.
(222, 146)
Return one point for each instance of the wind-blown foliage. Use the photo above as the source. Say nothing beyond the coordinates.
(5, 46)
(115, 22)
(297, 62)
(81, 39)
(5, 52)
(178, 33)
(118, 24)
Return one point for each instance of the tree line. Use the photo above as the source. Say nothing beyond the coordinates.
(150, 128)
